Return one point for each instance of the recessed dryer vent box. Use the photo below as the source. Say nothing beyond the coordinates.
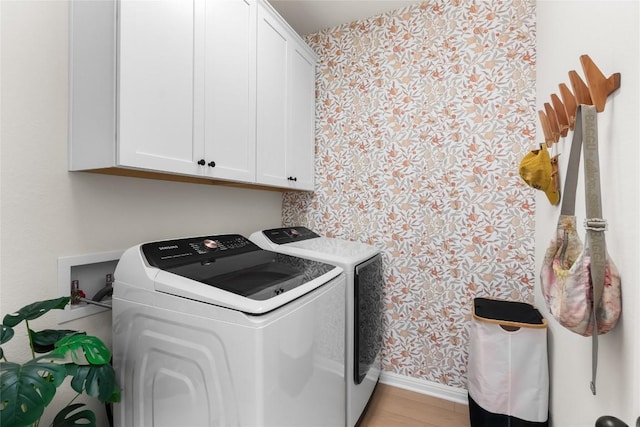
(90, 270)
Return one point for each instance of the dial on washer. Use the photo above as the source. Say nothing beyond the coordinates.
(211, 244)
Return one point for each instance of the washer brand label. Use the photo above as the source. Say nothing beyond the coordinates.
(164, 248)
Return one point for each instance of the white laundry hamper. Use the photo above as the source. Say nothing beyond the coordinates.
(508, 369)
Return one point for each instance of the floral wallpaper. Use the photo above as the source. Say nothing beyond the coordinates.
(423, 115)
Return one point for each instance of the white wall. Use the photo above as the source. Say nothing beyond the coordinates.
(608, 32)
(47, 212)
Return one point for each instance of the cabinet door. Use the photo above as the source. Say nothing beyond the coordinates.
(229, 119)
(300, 143)
(272, 100)
(286, 106)
(156, 86)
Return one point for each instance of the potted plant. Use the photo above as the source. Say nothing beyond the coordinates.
(26, 389)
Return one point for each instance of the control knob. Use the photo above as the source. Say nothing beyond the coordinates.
(211, 244)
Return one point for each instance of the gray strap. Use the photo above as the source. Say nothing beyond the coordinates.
(594, 223)
(573, 167)
(586, 129)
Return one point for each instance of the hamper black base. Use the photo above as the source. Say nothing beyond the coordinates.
(480, 417)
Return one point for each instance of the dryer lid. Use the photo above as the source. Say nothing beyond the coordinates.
(284, 235)
(300, 241)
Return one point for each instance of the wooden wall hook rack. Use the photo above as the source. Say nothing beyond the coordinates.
(558, 119)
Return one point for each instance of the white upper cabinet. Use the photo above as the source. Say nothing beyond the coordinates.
(174, 86)
(301, 153)
(157, 77)
(285, 105)
(229, 89)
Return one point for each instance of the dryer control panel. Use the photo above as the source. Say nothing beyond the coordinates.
(172, 253)
(281, 236)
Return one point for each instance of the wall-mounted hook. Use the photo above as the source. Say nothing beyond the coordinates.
(561, 114)
(546, 128)
(553, 122)
(580, 89)
(599, 86)
(570, 104)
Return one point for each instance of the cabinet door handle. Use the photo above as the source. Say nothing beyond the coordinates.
(201, 162)
(212, 164)
(292, 178)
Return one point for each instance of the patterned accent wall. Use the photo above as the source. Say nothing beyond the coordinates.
(423, 115)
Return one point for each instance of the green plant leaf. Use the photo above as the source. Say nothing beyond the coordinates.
(45, 340)
(35, 310)
(82, 350)
(115, 396)
(72, 368)
(96, 381)
(6, 333)
(27, 389)
(83, 418)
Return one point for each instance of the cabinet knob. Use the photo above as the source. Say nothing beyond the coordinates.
(212, 164)
(292, 178)
(201, 162)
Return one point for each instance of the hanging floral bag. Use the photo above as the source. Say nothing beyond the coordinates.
(580, 283)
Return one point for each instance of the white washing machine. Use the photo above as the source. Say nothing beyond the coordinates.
(214, 331)
(362, 265)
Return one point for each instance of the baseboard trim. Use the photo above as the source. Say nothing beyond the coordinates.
(440, 391)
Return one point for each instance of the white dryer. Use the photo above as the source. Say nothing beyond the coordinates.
(213, 331)
(362, 265)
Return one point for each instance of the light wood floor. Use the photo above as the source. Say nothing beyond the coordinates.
(396, 407)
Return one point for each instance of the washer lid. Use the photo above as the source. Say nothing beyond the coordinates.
(170, 283)
(230, 271)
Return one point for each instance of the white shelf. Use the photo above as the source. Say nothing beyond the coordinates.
(90, 270)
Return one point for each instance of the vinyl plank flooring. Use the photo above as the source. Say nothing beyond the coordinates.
(397, 407)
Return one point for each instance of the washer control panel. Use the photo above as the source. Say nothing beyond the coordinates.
(172, 253)
(281, 236)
